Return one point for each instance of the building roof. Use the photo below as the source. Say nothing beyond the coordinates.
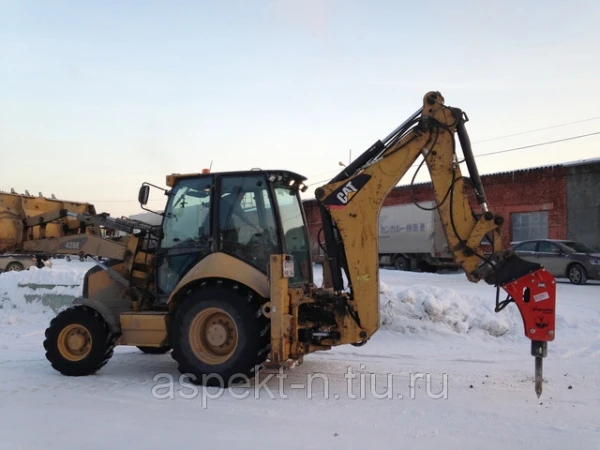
(580, 162)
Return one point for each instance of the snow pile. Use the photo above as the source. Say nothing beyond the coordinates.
(426, 308)
(407, 306)
(26, 297)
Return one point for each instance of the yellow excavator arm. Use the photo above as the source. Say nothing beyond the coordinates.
(350, 204)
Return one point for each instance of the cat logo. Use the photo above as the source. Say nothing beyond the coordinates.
(347, 193)
(339, 198)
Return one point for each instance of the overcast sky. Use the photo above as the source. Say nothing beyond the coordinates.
(98, 97)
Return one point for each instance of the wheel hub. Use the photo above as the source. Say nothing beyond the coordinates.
(74, 342)
(216, 334)
(213, 336)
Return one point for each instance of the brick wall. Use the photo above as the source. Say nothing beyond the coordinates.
(540, 189)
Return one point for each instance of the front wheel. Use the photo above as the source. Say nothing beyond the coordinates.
(577, 274)
(78, 341)
(219, 337)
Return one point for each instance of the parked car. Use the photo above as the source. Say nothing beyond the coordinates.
(562, 258)
(16, 263)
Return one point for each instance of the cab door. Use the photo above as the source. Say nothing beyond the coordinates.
(247, 228)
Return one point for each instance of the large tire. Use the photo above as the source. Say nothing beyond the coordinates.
(155, 350)
(78, 341)
(219, 336)
(577, 274)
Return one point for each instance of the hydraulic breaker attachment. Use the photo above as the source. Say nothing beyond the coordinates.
(535, 296)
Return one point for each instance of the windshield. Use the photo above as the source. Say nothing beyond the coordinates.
(579, 247)
(295, 233)
(187, 216)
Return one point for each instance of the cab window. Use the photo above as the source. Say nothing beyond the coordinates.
(295, 234)
(246, 220)
(187, 218)
(187, 232)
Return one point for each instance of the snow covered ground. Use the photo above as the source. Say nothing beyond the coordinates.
(447, 372)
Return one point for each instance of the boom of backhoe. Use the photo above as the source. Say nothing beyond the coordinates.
(351, 202)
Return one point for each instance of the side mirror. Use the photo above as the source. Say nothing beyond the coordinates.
(144, 194)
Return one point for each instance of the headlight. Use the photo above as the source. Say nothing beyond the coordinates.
(595, 262)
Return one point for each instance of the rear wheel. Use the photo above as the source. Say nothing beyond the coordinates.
(577, 274)
(220, 336)
(78, 341)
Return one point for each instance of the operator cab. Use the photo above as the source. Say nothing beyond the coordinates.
(249, 215)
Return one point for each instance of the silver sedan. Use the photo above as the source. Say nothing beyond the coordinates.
(562, 258)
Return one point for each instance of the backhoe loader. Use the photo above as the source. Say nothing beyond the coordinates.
(225, 281)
